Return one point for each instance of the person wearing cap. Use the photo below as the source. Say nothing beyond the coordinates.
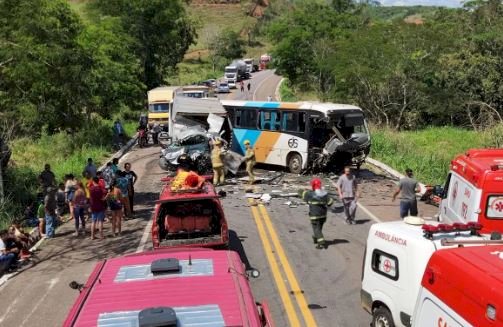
(319, 201)
(347, 187)
(217, 163)
(408, 187)
(250, 161)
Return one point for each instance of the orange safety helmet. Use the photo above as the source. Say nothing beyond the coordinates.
(316, 183)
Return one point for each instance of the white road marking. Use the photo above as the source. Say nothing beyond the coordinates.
(367, 211)
(144, 237)
(52, 283)
(259, 85)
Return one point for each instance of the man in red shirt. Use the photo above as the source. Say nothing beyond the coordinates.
(98, 207)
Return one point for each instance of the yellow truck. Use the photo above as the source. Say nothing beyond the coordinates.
(160, 102)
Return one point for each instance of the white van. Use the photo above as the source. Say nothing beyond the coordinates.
(395, 259)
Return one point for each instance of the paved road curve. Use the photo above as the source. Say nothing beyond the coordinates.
(304, 286)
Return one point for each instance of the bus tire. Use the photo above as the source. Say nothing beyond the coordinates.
(381, 317)
(294, 163)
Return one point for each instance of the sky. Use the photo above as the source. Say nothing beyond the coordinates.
(444, 3)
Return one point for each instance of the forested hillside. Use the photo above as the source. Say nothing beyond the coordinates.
(442, 68)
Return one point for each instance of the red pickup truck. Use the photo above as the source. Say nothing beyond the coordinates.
(189, 218)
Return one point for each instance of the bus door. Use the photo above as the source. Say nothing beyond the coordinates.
(293, 128)
(268, 147)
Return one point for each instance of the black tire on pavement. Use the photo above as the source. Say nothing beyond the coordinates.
(381, 317)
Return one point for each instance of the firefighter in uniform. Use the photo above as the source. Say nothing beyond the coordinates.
(217, 163)
(318, 201)
(250, 161)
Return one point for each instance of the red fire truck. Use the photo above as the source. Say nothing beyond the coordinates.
(189, 218)
(473, 191)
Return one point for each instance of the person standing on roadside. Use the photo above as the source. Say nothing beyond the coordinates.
(217, 163)
(131, 177)
(70, 187)
(41, 215)
(408, 187)
(115, 167)
(248, 86)
(250, 161)
(97, 201)
(79, 209)
(50, 211)
(108, 175)
(46, 178)
(318, 201)
(114, 202)
(90, 168)
(242, 86)
(347, 187)
(123, 184)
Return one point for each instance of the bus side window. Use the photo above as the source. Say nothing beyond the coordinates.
(293, 122)
(246, 118)
(270, 120)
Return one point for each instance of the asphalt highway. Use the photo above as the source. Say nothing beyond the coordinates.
(303, 286)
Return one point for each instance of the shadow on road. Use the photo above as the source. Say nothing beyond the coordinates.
(235, 244)
(335, 242)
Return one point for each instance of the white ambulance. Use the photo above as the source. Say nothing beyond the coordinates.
(474, 190)
(396, 256)
(462, 287)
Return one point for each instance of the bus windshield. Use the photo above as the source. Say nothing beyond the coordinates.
(348, 124)
(158, 107)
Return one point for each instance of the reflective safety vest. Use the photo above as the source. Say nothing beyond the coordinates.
(318, 202)
(216, 158)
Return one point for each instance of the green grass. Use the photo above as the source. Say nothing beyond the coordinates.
(428, 152)
(286, 92)
(191, 71)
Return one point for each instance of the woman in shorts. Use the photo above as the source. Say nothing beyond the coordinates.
(114, 197)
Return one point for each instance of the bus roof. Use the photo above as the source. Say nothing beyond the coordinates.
(323, 107)
(162, 94)
(211, 286)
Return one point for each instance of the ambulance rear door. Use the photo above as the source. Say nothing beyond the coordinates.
(461, 200)
(431, 311)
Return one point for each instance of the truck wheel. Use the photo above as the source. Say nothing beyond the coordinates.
(382, 318)
(295, 163)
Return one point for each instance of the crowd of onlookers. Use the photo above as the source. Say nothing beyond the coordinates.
(96, 197)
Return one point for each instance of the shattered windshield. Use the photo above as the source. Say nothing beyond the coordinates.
(349, 124)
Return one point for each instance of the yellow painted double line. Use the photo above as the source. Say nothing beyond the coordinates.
(274, 254)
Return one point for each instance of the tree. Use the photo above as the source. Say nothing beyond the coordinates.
(112, 69)
(40, 66)
(161, 30)
(228, 45)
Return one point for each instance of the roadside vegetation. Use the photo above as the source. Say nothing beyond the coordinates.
(429, 79)
(68, 70)
(429, 151)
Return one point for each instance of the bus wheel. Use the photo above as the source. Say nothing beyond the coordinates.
(295, 163)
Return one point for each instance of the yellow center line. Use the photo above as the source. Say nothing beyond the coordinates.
(283, 293)
(296, 290)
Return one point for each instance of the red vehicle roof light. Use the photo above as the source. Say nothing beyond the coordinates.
(460, 227)
(429, 230)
